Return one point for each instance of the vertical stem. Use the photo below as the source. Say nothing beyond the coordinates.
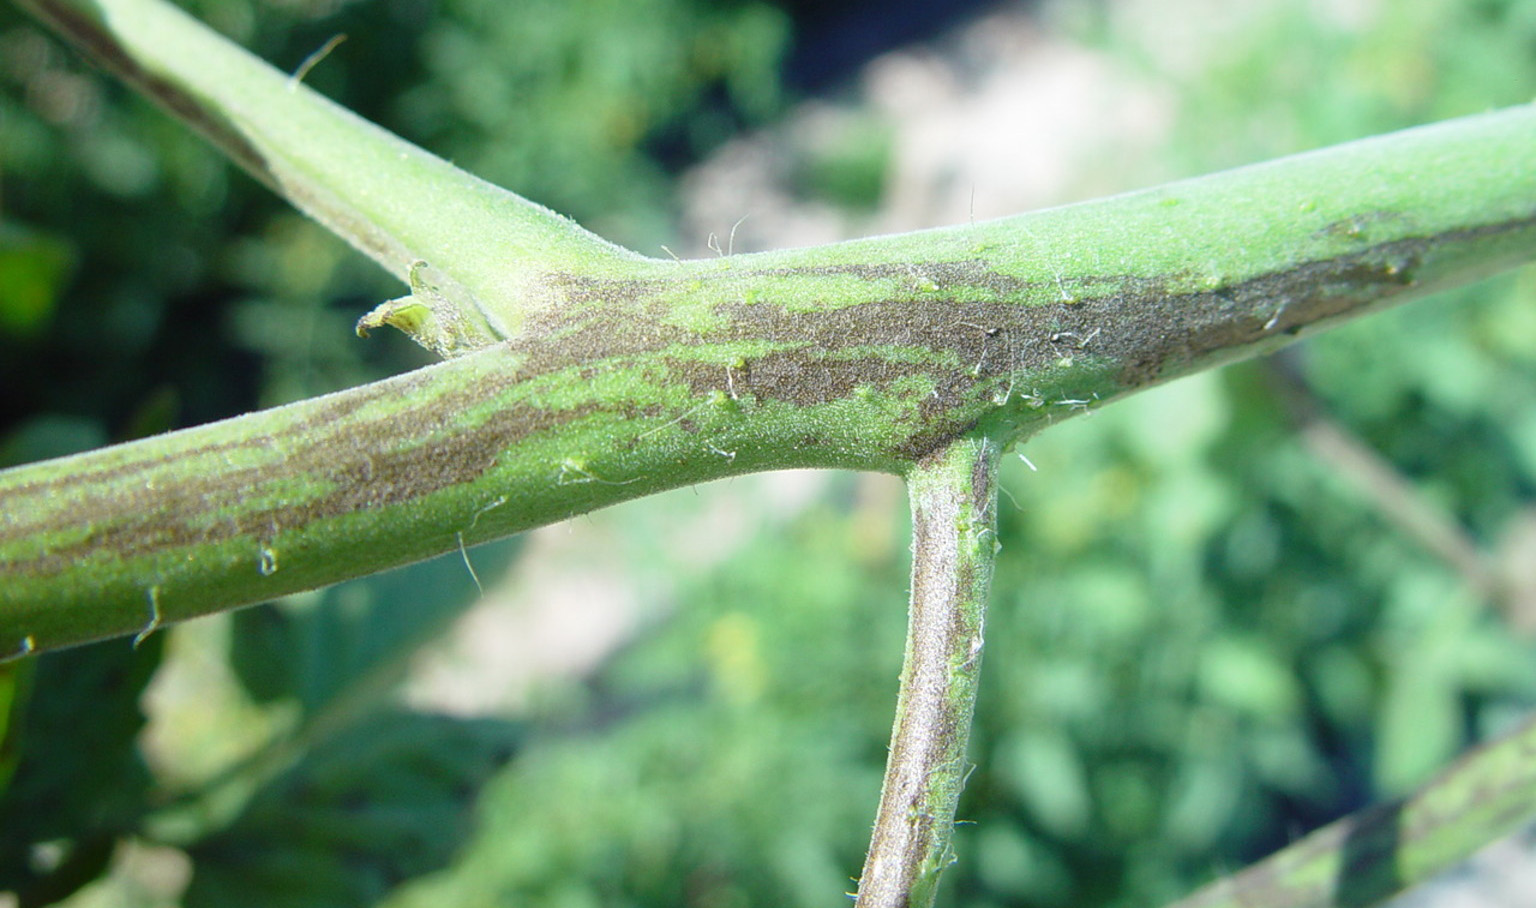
(953, 495)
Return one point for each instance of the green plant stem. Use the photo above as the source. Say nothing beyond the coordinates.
(954, 541)
(864, 355)
(1370, 856)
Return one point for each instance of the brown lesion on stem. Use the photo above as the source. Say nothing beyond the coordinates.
(941, 347)
(1134, 331)
(971, 326)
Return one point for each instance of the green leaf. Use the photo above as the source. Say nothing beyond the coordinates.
(439, 315)
(50, 435)
(1419, 728)
(80, 782)
(1046, 769)
(33, 267)
(15, 687)
(388, 800)
(1248, 676)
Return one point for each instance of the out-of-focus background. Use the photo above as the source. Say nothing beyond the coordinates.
(1226, 611)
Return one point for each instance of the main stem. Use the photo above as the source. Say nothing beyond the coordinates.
(868, 355)
(954, 539)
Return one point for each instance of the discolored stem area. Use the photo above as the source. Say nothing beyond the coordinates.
(953, 497)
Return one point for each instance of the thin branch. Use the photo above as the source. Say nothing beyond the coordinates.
(1368, 857)
(954, 542)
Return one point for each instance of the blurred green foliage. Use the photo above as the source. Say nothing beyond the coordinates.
(732, 756)
(1206, 635)
(389, 798)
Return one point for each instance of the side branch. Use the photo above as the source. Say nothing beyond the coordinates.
(393, 201)
(953, 497)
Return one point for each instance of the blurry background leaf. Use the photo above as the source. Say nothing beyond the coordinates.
(50, 435)
(15, 685)
(389, 799)
(729, 757)
(32, 270)
(80, 782)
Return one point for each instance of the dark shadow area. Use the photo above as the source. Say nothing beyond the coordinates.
(1368, 864)
(833, 39)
